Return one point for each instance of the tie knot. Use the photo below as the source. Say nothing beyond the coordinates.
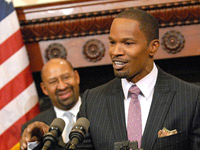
(134, 91)
(69, 115)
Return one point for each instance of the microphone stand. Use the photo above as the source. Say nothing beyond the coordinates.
(71, 147)
(67, 146)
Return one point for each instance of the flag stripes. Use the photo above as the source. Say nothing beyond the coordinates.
(18, 107)
(15, 128)
(18, 95)
(7, 49)
(13, 88)
(13, 66)
(9, 26)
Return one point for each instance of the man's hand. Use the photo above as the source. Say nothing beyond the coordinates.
(33, 132)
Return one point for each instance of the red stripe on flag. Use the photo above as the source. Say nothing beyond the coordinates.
(12, 135)
(10, 46)
(15, 86)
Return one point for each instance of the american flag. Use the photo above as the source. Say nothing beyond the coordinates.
(18, 95)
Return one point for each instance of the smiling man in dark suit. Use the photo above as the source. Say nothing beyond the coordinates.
(167, 103)
(168, 112)
(60, 82)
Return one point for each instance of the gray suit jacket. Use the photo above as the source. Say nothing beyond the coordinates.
(175, 105)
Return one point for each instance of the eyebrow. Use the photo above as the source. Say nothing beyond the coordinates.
(52, 78)
(109, 38)
(65, 74)
(124, 39)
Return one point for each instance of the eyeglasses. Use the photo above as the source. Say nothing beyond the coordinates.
(63, 78)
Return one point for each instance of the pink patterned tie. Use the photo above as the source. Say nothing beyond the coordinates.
(134, 126)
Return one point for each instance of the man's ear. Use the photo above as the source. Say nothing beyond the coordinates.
(153, 47)
(44, 90)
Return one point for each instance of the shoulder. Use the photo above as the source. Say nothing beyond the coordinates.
(46, 116)
(103, 90)
(116, 82)
(175, 83)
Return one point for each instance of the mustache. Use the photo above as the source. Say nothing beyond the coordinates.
(58, 90)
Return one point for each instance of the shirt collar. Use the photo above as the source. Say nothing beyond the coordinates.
(74, 110)
(146, 84)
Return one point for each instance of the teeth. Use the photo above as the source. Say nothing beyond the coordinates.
(119, 63)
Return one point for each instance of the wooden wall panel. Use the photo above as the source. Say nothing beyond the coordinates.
(46, 26)
(35, 57)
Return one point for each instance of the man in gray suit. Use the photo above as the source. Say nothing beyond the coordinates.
(169, 107)
(61, 83)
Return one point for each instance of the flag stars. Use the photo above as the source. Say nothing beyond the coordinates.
(8, 1)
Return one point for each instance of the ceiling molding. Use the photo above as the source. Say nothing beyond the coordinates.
(95, 23)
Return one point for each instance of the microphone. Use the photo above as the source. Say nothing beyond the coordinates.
(51, 138)
(78, 132)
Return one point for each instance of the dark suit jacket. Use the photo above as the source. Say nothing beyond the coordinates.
(175, 105)
(46, 116)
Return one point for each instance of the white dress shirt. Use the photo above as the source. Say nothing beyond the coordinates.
(60, 114)
(146, 86)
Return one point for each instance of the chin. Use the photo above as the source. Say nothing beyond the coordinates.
(120, 74)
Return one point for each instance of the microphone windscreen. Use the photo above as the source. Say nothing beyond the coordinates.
(83, 122)
(59, 123)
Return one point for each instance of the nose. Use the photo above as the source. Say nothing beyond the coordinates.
(61, 84)
(116, 50)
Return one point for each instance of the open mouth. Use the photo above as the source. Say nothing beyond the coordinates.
(119, 65)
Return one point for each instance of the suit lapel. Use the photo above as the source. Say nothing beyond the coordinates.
(50, 116)
(161, 102)
(116, 111)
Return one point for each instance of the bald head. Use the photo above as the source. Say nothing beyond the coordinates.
(61, 83)
(53, 63)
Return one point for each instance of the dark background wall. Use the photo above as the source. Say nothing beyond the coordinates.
(186, 68)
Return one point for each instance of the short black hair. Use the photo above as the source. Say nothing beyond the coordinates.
(148, 23)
